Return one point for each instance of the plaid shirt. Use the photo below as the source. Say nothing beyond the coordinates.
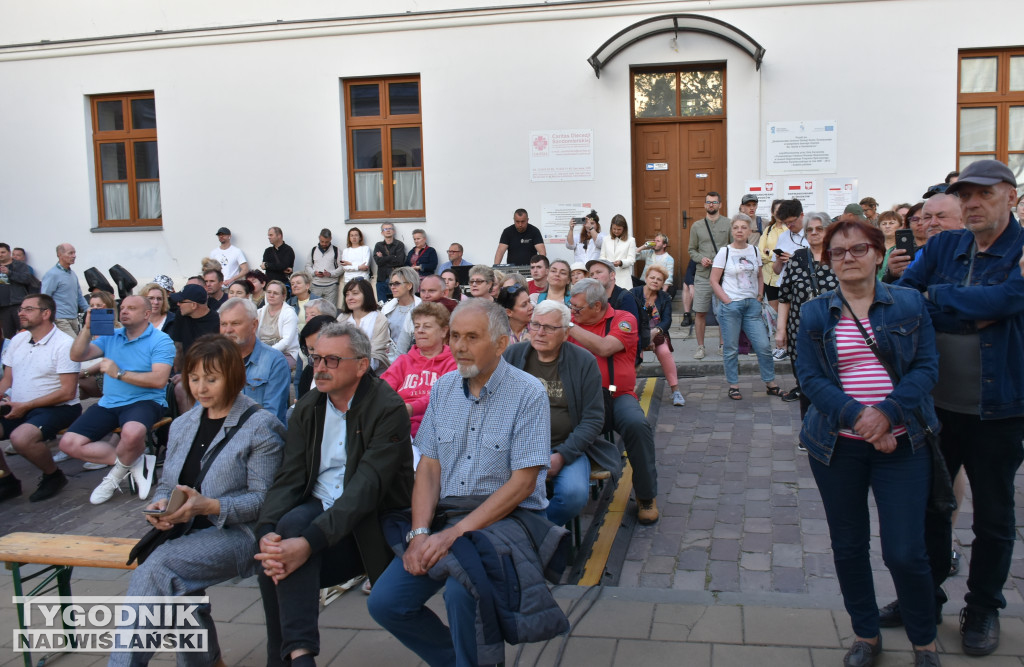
(480, 441)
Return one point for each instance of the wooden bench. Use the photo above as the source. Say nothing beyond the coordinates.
(60, 554)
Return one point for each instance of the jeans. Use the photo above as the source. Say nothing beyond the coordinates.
(990, 451)
(744, 315)
(383, 292)
(570, 488)
(900, 482)
(292, 606)
(398, 604)
(638, 438)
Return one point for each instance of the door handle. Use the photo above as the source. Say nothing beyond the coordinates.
(683, 215)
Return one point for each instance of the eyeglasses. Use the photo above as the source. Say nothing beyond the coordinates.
(395, 284)
(330, 361)
(478, 281)
(453, 252)
(29, 308)
(546, 328)
(576, 309)
(815, 230)
(709, 203)
(914, 218)
(857, 250)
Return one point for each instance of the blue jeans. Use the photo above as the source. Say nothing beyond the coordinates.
(745, 315)
(990, 451)
(383, 291)
(900, 482)
(570, 488)
(398, 604)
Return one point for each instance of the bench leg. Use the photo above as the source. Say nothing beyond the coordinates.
(59, 574)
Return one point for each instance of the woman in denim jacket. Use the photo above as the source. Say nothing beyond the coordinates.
(863, 430)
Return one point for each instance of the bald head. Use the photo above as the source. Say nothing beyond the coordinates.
(431, 288)
(941, 213)
(66, 254)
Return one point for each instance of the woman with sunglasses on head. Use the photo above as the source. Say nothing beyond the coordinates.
(516, 302)
(868, 362)
(359, 308)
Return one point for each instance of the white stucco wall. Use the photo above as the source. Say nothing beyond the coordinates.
(251, 134)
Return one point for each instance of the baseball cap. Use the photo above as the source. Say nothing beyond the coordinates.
(936, 189)
(747, 198)
(191, 292)
(577, 266)
(223, 230)
(607, 263)
(855, 209)
(984, 172)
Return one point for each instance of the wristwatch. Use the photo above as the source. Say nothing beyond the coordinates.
(120, 374)
(572, 324)
(416, 531)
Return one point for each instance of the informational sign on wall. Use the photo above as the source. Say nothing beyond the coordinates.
(804, 190)
(765, 191)
(801, 147)
(555, 218)
(562, 155)
(839, 192)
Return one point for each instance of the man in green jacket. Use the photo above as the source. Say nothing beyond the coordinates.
(347, 458)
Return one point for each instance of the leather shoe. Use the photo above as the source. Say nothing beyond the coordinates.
(862, 654)
(647, 511)
(889, 616)
(980, 630)
(926, 659)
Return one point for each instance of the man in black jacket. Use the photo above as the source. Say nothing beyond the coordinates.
(15, 278)
(348, 457)
(388, 255)
(279, 258)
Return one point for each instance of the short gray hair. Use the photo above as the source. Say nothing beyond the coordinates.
(497, 318)
(236, 302)
(592, 290)
(818, 215)
(306, 278)
(485, 272)
(324, 306)
(357, 339)
(409, 275)
(553, 306)
(745, 218)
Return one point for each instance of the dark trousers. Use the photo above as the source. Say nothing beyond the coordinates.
(805, 403)
(638, 438)
(292, 606)
(900, 482)
(9, 321)
(990, 451)
(383, 291)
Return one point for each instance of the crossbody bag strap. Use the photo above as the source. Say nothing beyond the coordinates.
(228, 434)
(611, 368)
(713, 244)
(814, 274)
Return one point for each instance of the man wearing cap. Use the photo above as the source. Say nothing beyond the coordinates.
(975, 297)
(748, 206)
(232, 261)
(706, 237)
(61, 283)
(869, 206)
(194, 319)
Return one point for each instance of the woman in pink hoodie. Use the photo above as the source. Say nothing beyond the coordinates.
(414, 373)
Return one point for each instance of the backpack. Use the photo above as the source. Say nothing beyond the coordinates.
(312, 255)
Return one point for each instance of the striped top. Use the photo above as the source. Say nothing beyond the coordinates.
(861, 374)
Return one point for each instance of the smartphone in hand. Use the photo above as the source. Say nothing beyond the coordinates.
(174, 503)
(905, 240)
(101, 321)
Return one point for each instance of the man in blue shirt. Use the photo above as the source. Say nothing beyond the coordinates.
(61, 283)
(455, 258)
(137, 362)
(267, 376)
(976, 300)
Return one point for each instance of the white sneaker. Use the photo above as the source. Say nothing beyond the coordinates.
(780, 354)
(677, 398)
(105, 490)
(88, 465)
(143, 472)
(699, 354)
(60, 456)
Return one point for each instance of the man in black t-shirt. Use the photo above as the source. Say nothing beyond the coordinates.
(279, 258)
(521, 239)
(194, 319)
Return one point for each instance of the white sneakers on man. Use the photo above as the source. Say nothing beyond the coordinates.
(700, 352)
(142, 471)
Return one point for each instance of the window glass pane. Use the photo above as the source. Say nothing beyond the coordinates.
(654, 95)
(967, 159)
(408, 190)
(143, 114)
(146, 160)
(977, 129)
(1017, 73)
(110, 116)
(149, 200)
(364, 99)
(115, 201)
(370, 191)
(366, 149)
(404, 97)
(1016, 164)
(114, 167)
(978, 75)
(1015, 141)
(700, 93)
(405, 147)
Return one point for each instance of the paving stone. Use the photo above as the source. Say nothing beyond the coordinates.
(702, 520)
(724, 576)
(721, 624)
(788, 579)
(727, 550)
(616, 618)
(792, 627)
(693, 559)
(690, 580)
(763, 656)
(659, 565)
(631, 653)
(787, 555)
(756, 561)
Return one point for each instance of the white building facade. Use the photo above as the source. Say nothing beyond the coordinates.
(135, 130)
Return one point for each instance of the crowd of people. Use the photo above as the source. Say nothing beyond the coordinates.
(419, 414)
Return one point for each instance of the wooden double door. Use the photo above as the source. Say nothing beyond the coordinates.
(675, 165)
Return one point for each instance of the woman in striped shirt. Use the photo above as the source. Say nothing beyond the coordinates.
(865, 429)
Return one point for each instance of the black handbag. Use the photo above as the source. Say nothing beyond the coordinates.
(155, 537)
(941, 499)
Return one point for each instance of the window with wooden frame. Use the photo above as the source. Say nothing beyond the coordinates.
(990, 108)
(385, 147)
(127, 168)
(697, 92)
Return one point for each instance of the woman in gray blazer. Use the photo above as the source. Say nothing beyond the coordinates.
(221, 507)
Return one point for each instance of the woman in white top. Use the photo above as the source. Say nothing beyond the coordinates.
(356, 256)
(360, 308)
(619, 248)
(586, 243)
(278, 324)
(736, 282)
(404, 283)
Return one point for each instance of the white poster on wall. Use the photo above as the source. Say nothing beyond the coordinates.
(839, 192)
(765, 191)
(562, 155)
(555, 218)
(804, 190)
(801, 147)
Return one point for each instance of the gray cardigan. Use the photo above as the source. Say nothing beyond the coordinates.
(581, 379)
(241, 474)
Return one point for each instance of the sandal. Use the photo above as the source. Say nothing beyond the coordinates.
(774, 391)
(734, 394)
